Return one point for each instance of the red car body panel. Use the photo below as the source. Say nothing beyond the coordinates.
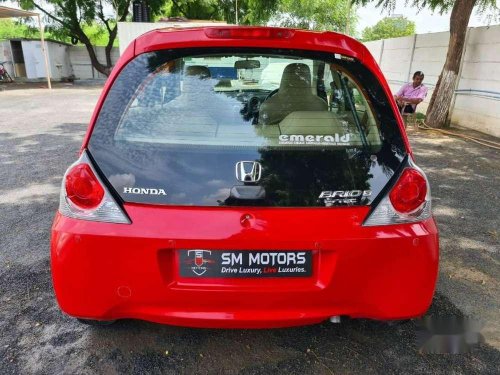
(106, 271)
(112, 271)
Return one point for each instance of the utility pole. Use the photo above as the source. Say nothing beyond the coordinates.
(44, 50)
(237, 12)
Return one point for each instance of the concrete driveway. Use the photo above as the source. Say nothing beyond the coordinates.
(40, 133)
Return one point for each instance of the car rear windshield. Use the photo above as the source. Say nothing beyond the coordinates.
(246, 127)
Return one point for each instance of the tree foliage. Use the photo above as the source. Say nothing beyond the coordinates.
(10, 29)
(306, 14)
(331, 15)
(95, 21)
(389, 27)
(442, 96)
(86, 20)
(250, 12)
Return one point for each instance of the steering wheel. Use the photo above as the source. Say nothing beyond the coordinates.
(271, 94)
(253, 105)
(251, 108)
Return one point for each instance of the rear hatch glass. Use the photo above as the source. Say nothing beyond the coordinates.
(246, 127)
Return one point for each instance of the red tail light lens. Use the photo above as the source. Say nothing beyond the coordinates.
(248, 32)
(83, 188)
(410, 191)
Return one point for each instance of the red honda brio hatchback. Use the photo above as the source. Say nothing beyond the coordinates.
(244, 177)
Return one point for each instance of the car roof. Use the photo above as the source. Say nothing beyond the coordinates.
(248, 37)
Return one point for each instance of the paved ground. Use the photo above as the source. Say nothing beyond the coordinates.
(40, 133)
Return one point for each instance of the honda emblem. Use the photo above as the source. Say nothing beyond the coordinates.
(248, 171)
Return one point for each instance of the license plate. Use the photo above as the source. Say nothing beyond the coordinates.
(248, 263)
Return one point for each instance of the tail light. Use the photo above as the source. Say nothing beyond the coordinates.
(82, 187)
(409, 200)
(409, 192)
(84, 196)
(248, 33)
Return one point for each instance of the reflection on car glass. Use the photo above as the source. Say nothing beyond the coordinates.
(181, 122)
(249, 101)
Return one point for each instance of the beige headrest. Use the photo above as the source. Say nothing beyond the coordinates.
(296, 75)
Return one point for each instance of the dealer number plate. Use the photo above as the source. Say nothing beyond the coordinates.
(234, 263)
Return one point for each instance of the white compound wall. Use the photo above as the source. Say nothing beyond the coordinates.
(477, 99)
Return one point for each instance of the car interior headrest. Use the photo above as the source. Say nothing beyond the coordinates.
(296, 75)
(202, 72)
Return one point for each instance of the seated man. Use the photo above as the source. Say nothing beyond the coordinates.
(411, 94)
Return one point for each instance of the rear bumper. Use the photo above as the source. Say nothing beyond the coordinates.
(112, 271)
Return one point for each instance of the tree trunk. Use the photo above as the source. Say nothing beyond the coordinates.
(109, 47)
(439, 106)
(103, 69)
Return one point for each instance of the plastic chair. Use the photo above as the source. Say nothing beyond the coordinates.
(409, 118)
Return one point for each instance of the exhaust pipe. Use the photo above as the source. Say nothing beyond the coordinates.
(335, 319)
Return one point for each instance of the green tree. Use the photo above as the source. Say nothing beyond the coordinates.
(461, 10)
(75, 18)
(333, 15)
(389, 27)
(250, 12)
(306, 14)
(10, 29)
(88, 22)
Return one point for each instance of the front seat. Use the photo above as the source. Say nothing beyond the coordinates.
(293, 95)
